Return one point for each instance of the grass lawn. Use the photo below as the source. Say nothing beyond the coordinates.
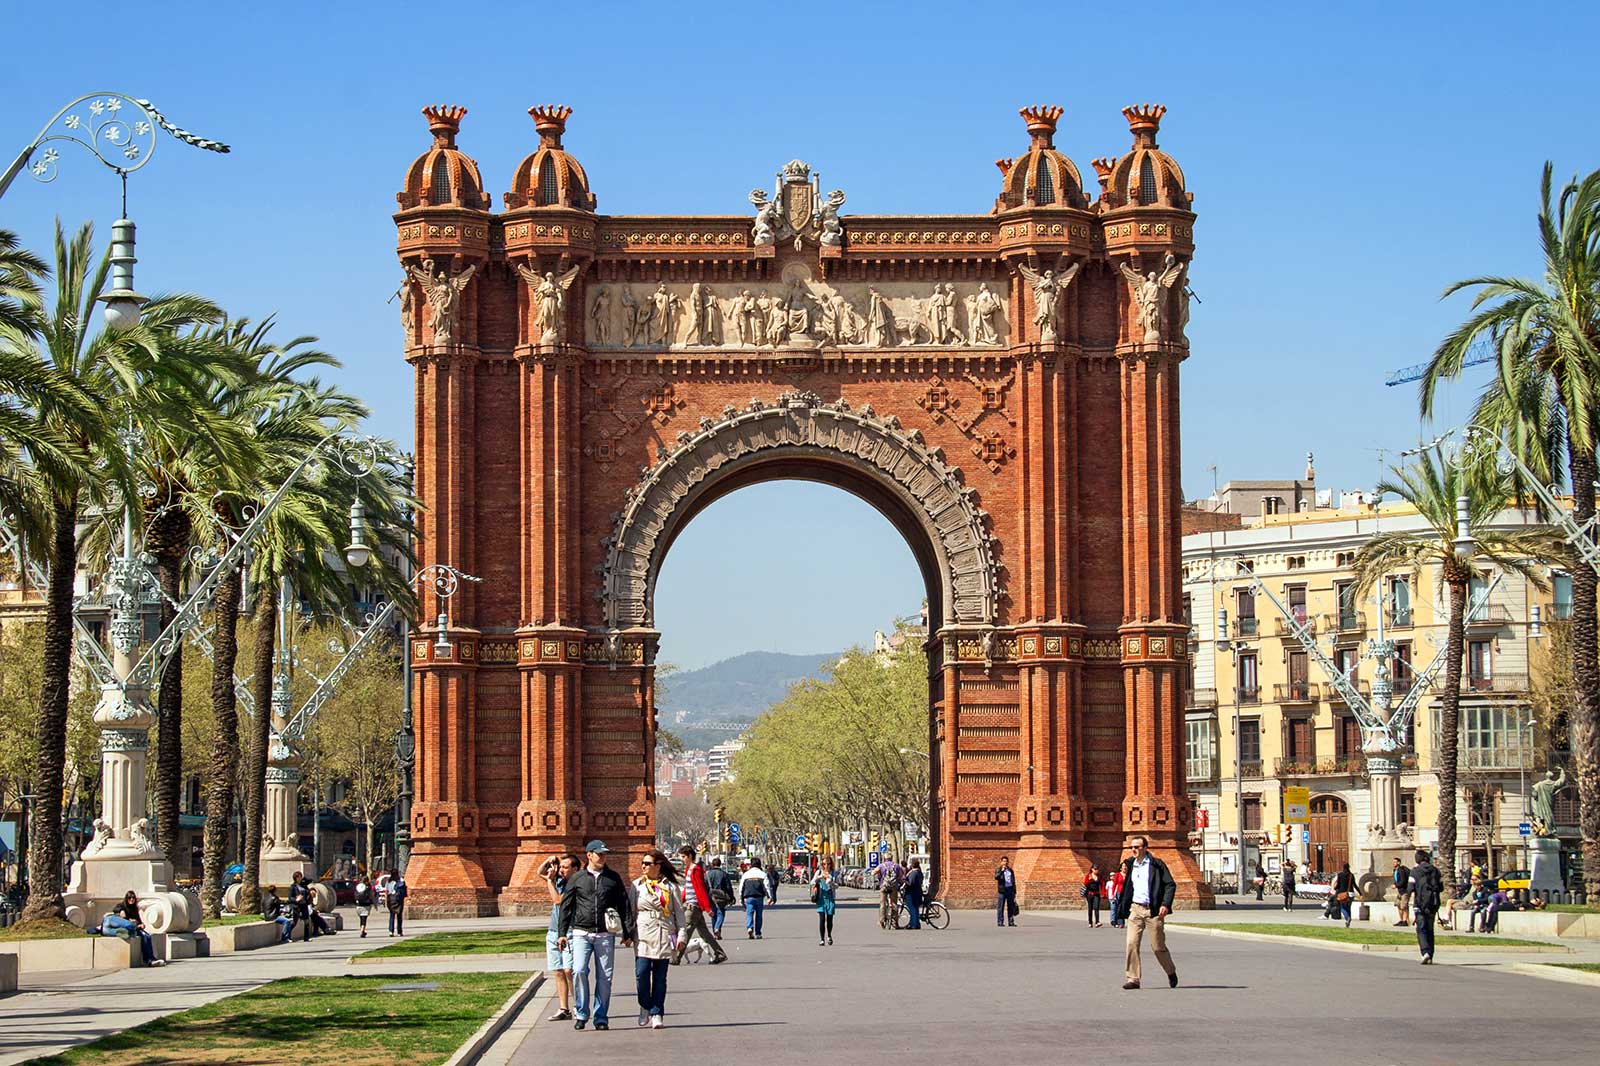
(1341, 935)
(313, 1021)
(1572, 908)
(232, 919)
(487, 942)
(42, 929)
(1586, 967)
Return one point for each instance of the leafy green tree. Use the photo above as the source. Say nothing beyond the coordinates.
(1432, 485)
(1545, 403)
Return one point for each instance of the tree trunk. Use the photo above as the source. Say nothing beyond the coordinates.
(225, 742)
(169, 543)
(1450, 731)
(255, 762)
(1584, 723)
(47, 829)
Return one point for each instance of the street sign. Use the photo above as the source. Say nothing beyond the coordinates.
(883, 847)
(1524, 829)
(1305, 836)
(799, 842)
(872, 858)
(1202, 818)
(1297, 804)
(733, 832)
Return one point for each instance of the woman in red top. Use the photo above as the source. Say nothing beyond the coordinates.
(1092, 888)
(1113, 889)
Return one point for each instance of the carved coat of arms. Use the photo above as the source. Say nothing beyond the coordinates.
(795, 211)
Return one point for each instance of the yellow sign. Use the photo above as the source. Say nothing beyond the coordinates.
(1296, 804)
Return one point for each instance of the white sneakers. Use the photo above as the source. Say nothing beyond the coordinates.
(656, 1022)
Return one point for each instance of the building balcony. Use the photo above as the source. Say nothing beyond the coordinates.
(1284, 629)
(1498, 685)
(1295, 692)
(1343, 766)
(1561, 612)
(1200, 771)
(1401, 619)
(1345, 625)
(1490, 615)
(1200, 699)
(1508, 758)
(1250, 768)
(1331, 693)
(1245, 628)
(1247, 696)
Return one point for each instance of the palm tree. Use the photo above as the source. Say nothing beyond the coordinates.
(114, 371)
(1543, 402)
(1432, 485)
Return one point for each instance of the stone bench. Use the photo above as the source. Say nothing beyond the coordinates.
(81, 953)
(8, 973)
(248, 936)
(1514, 923)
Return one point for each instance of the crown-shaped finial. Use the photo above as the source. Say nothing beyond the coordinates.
(1041, 120)
(551, 122)
(1102, 170)
(1144, 120)
(444, 120)
(1005, 164)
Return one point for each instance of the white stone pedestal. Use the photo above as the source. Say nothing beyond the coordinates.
(1546, 865)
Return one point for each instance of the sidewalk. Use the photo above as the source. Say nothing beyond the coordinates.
(68, 1008)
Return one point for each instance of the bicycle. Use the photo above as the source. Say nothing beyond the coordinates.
(935, 915)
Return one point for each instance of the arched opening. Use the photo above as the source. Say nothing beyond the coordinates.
(1148, 193)
(1045, 182)
(803, 439)
(778, 582)
(439, 184)
(549, 192)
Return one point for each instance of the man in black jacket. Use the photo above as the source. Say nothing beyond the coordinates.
(590, 894)
(1145, 900)
(1427, 892)
(1005, 893)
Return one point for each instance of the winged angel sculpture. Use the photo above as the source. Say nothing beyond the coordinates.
(1150, 293)
(443, 290)
(550, 297)
(1048, 288)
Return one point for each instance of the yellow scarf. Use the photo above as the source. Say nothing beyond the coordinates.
(662, 894)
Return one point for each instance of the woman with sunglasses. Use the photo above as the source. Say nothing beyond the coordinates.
(659, 914)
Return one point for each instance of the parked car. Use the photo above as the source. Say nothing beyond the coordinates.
(1515, 880)
(344, 892)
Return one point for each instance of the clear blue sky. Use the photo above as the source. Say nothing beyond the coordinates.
(1347, 163)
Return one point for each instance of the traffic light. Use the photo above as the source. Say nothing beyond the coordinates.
(812, 842)
(872, 840)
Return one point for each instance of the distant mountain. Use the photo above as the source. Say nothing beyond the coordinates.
(736, 689)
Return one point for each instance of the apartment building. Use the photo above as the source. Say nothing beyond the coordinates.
(1262, 714)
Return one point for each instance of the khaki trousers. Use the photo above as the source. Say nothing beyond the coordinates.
(888, 904)
(1138, 917)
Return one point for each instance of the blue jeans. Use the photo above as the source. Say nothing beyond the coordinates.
(1005, 906)
(753, 906)
(651, 977)
(914, 905)
(112, 923)
(397, 920)
(1344, 909)
(717, 915)
(285, 923)
(592, 951)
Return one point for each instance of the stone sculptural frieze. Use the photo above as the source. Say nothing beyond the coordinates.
(802, 313)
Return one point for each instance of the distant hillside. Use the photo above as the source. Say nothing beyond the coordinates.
(736, 689)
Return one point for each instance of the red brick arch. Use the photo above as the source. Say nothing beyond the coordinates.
(1030, 459)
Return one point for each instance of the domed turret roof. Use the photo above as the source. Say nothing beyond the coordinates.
(444, 176)
(1041, 177)
(1147, 176)
(550, 177)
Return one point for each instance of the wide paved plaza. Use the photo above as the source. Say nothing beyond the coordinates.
(1048, 990)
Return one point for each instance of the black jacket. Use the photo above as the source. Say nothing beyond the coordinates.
(1162, 889)
(586, 899)
(1427, 886)
(1000, 879)
(300, 897)
(1402, 879)
(717, 880)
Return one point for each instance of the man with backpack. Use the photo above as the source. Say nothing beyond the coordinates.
(1402, 890)
(721, 885)
(891, 878)
(1427, 893)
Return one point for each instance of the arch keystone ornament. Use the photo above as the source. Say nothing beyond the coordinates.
(993, 383)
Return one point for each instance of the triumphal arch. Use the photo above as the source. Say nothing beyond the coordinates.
(1002, 385)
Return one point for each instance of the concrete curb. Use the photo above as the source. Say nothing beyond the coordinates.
(1333, 945)
(1555, 973)
(479, 1041)
(356, 960)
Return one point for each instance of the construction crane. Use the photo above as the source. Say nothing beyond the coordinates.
(1482, 350)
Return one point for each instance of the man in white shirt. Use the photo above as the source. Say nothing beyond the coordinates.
(1146, 900)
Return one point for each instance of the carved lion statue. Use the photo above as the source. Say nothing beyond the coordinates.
(139, 833)
(102, 836)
